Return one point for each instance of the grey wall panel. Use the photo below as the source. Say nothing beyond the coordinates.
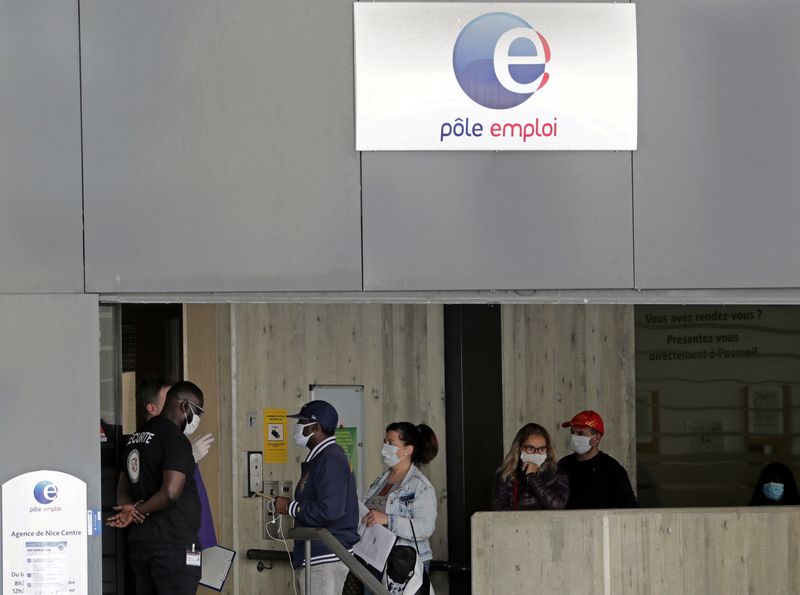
(716, 176)
(451, 221)
(41, 228)
(50, 391)
(219, 146)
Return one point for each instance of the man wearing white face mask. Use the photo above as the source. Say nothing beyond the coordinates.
(151, 395)
(596, 479)
(157, 496)
(324, 497)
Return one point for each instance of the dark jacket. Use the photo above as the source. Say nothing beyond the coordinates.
(325, 497)
(546, 490)
(600, 482)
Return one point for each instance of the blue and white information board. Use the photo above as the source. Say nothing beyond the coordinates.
(44, 534)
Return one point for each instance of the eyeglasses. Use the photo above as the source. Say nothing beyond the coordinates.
(539, 450)
(193, 406)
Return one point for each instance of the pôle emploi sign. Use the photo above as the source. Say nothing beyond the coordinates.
(472, 76)
(45, 529)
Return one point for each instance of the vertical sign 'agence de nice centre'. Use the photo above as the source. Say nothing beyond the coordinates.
(452, 76)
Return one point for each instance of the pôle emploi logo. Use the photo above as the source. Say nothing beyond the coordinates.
(500, 61)
(45, 492)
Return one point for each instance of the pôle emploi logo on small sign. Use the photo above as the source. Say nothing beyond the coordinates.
(473, 76)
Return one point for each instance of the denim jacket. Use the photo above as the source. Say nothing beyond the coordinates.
(413, 500)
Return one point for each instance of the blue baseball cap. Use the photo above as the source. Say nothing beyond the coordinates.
(320, 412)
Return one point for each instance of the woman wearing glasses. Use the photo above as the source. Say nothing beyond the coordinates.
(529, 478)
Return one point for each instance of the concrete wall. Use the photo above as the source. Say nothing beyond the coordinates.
(50, 391)
(395, 352)
(638, 552)
(561, 359)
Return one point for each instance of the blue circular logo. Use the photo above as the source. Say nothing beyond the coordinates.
(45, 492)
(499, 60)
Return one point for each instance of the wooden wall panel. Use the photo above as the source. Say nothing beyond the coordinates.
(561, 359)
(395, 351)
(638, 552)
(207, 364)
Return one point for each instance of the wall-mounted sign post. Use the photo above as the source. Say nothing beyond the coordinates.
(44, 534)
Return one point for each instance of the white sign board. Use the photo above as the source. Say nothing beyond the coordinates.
(44, 534)
(439, 76)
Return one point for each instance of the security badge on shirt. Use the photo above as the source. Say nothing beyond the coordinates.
(193, 557)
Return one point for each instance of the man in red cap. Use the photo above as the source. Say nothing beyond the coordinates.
(596, 480)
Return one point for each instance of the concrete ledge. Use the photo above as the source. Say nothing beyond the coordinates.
(637, 552)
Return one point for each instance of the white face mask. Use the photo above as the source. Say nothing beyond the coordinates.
(299, 439)
(191, 426)
(580, 444)
(534, 458)
(389, 454)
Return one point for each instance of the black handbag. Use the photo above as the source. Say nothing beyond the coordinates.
(425, 589)
(400, 568)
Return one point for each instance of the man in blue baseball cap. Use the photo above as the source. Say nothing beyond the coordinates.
(325, 497)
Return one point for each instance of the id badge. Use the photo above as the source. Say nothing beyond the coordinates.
(193, 558)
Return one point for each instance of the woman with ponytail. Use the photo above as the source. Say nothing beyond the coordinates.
(529, 478)
(402, 498)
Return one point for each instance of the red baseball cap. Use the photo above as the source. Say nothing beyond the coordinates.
(586, 419)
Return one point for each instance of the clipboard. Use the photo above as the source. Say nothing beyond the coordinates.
(215, 565)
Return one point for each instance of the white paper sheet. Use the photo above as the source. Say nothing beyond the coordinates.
(376, 541)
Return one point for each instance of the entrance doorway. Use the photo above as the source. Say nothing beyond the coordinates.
(136, 342)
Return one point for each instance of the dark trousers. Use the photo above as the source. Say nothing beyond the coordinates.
(160, 569)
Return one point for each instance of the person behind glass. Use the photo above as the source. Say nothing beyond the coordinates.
(529, 478)
(776, 487)
(402, 495)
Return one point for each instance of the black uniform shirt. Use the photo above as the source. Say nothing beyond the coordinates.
(157, 447)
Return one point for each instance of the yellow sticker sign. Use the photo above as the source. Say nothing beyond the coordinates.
(275, 445)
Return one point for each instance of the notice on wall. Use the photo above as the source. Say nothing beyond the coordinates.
(702, 335)
(44, 534)
(275, 445)
(705, 435)
(347, 438)
(765, 410)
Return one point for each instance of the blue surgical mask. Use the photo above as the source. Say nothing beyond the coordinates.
(773, 491)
